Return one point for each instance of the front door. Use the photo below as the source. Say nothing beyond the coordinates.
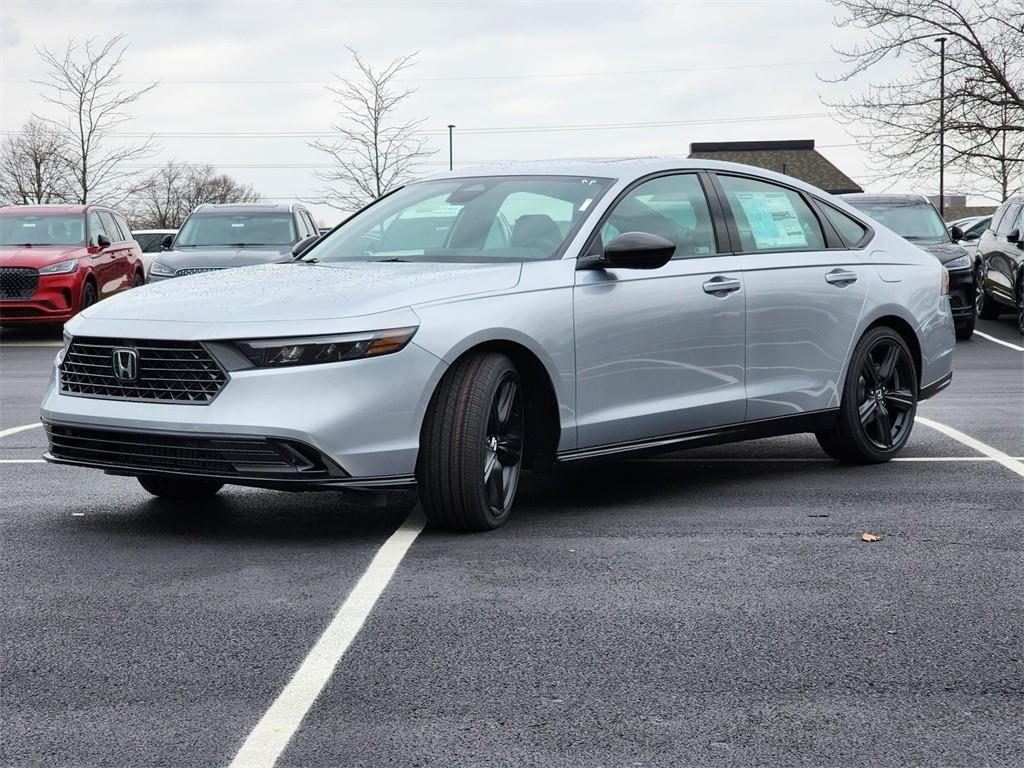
(660, 352)
(804, 298)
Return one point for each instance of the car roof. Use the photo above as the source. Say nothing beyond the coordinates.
(49, 208)
(627, 168)
(867, 197)
(153, 231)
(248, 207)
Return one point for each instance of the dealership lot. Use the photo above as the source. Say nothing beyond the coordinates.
(710, 607)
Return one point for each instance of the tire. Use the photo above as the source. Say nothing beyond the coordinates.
(89, 296)
(1020, 309)
(180, 488)
(985, 306)
(471, 447)
(138, 280)
(879, 401)
(965, 327)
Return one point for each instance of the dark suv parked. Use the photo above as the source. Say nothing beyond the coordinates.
(1000, 266)
(915, 219)
(233, 235)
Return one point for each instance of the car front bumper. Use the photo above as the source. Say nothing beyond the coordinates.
(961, 293)
(362, 416)
(55, 301)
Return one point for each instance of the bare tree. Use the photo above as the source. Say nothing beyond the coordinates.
(84, 83)
(376, 148)
(168, 195)
(33, 166)
(898, 122)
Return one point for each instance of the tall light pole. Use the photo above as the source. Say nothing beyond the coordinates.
(942, 126)
(451, 164)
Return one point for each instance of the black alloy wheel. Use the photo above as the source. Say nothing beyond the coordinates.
(88, 296)
(885, 393)
(138, 280)
(1020, 308)
(503, 449)
(472, 444)
(984, 307)
(879, 401)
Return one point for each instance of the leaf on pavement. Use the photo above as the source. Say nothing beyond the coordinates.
(869, 537)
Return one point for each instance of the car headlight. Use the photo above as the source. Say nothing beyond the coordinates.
(960, 262)
(64, 349)
(160, 269)
(60, 268)
(312, 350)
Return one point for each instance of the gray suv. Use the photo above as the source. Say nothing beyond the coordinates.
(1001, 263)
(216, 237)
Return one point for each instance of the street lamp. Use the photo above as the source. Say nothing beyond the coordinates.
(451, 165)
(942, 125)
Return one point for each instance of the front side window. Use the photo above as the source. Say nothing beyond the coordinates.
(110, 227)
(237, 229)
(96, 228)
(917, 221)
(486, 219)
(771, 218)
(126, 231)
(1010, 220)
(673, 207)
(42, 229)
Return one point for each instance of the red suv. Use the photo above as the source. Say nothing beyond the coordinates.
(57, 260)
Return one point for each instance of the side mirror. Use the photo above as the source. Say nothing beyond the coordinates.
(304, 245)
(956, 233)
(638, 250)
(102, 241)
(970, 237)
(1014, 237)
(167, 241)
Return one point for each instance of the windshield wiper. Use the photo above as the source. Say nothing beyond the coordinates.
(393, 259)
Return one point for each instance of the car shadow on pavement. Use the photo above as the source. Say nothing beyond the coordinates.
(239, 515)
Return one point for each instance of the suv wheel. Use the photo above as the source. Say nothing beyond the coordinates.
(138, 280)
(88, 296)
(180, 488)
(471, 449)
(879, 401)
(984, 306)
(1020, 307)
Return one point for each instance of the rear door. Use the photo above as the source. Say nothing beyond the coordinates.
(121, 249)
(805, 288)
(104, 267)
(660, 352)
(1002, 256)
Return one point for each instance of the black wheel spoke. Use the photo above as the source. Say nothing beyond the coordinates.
(871, 373)
(899, 399)
(883, 426)
(504, 401)
(494, 484)
(868, 411)
(889, 362)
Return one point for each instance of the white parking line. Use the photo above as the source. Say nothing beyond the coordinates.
(275, 729)
(16, 430)
(31, 344)
(785, 460)
(998, 341)
(22, 461)
(993, 453)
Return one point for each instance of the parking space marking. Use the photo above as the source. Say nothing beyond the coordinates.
(993, 453)
(16, 430)
(275, 729)
(998, 341)
(4, 344)
(22, 461)
(784, 460)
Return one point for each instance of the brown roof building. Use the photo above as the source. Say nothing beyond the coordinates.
(793, 158)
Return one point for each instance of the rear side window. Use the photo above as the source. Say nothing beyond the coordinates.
(1009, 219)
(771, 218)
(673, 207)
(851, 230)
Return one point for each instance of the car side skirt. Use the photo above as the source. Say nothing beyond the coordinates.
(814, 421)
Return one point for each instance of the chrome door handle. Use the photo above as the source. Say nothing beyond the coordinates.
(719, 284)
(841, 277)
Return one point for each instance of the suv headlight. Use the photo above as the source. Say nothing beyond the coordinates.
(60, 268)
(156, 268)
(312, 350)
(960, 262)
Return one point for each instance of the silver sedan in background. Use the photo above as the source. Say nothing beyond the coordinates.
(470, 325)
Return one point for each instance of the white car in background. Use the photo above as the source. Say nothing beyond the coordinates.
(152, 242)
(973, 228)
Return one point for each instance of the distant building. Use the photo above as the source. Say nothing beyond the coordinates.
(793, 158)
(957, 207)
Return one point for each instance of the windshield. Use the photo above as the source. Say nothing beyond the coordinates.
(487, 219)
(237, 229)
(42, 229)
(915, 221)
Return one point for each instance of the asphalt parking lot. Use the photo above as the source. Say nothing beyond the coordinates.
(714, 607)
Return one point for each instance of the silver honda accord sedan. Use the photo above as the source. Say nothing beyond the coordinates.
(471, 325)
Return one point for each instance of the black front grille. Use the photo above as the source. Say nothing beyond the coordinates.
(195, 271)
(166, 371)
(251, 457)
(18, 282)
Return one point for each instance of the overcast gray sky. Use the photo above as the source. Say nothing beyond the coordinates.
(726, 70)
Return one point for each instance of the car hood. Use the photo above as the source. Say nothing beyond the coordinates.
(223, 257)
(289, 298)
(944, 252)
(37, 256)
